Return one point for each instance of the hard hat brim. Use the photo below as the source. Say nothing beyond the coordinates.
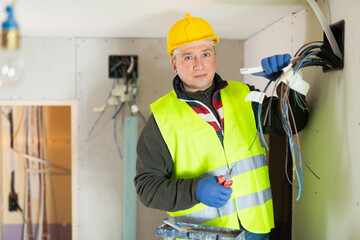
(170, 52)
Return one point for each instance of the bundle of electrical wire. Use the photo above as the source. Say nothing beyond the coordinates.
(311, 54)
(130, 81)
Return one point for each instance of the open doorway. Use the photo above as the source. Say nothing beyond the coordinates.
(37, 173)
(281, 188)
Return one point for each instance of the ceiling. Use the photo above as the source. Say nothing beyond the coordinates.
(231, 19)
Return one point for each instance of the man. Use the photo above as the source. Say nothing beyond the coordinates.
(201, 129)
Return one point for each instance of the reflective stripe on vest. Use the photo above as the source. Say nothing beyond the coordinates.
(197, 152)
(240, 167)
(247, 201)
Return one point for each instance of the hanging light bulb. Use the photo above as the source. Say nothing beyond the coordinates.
(11, 62)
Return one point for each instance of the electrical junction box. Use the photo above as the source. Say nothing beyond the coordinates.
(13, 202)
(123, 66)
(338, 30)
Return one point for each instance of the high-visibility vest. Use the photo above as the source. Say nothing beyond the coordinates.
(197, 152)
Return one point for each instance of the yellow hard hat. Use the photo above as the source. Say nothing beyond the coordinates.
(189, 30)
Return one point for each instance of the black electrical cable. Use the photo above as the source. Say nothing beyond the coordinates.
(100, 115)
(12, 182)
(329, 55)
(318, 55)
(307, 44)
(11, 129)
(317, 62)
(310, 49)
(116, 66)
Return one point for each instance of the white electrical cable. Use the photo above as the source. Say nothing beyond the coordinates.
(324, 24)
(259, 68)
(251, 70)
(131, 65)
(27, 179)
(32, 131)
(25, 237)
(36, 159)
(32, 170)
(21, 122)
(42, 198)
(326, 28)
(32, 158)
(42, 174)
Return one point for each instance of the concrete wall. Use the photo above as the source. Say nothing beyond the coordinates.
(328, 208)
(63, 69)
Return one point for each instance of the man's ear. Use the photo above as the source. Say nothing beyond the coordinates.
(173, 63)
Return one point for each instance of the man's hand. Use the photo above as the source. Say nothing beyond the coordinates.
(273, 65)
(212, 194)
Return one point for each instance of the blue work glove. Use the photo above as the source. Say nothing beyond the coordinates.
(273, 65)
(212, 194)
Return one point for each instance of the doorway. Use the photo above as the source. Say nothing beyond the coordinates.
(281, 188)
(37, 170)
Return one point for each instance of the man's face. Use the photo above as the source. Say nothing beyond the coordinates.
(195, 67)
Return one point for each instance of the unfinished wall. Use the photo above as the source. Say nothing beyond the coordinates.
(100, 168)
(65, 69)
(57, 128)
(328, 208)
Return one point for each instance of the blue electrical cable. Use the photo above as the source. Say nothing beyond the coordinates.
(293, 147)
(304, 60)
(301, 171)
(100, 116)
(297, 174)
(312, 53)
(115, 135)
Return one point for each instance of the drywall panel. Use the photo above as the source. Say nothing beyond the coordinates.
(310, 217)
(328, 208)
(276, 39)
(49, 70)
(100, 167)
(229, 59)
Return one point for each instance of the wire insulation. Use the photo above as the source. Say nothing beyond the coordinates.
(315, 53)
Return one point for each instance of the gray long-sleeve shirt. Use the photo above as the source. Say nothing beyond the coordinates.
(154, 162)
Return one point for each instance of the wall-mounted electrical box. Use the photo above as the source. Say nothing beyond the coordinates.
(121, 66)
(338, 30)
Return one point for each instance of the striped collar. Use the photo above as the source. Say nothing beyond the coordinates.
(201, 109)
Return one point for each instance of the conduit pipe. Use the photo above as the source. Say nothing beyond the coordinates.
(326, 28)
